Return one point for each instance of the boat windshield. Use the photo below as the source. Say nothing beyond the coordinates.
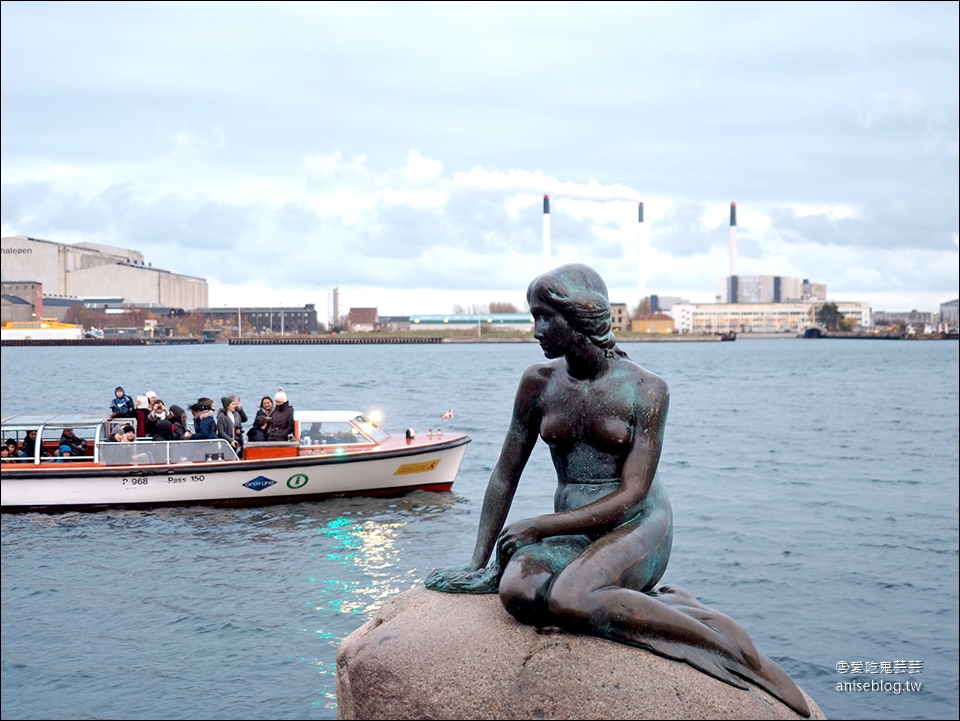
(332, 433)
(148, 452)
(371, 429)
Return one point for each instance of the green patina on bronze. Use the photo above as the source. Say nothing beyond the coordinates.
(594, 564)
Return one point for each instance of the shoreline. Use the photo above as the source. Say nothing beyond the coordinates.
(396, 339)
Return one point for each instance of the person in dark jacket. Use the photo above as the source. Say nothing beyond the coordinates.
(179, 421)
(164, 431)
(122, 404)
(30, 445)
(258, 432)
(281, 423)
(266, 408)
(158, 412)
(204, 426)
(240, 416)
(78, 446)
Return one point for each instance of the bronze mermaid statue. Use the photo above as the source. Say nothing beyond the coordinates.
(592, 567)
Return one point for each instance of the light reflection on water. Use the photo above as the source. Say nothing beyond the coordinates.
(368, 547)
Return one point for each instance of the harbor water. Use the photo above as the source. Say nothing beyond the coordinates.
(814, 487)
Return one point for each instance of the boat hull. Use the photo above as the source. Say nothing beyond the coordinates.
(80, 486)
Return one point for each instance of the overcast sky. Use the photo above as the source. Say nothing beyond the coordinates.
(401, 151)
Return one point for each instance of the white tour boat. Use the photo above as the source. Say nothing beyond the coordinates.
(335, 453)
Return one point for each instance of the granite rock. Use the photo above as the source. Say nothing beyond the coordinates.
(428, 655)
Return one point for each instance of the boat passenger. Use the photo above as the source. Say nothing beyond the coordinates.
(204, 426)
(266, 408)
(312, 435)
(30, 445)
(13, 449)
(258, 433)
(228, 421)
(164, 431)
(65, 451)
(122, 404)
(241, 416)
(281, 423)
(77, 446)
(129, 433)
(157, 413)
(179, 421)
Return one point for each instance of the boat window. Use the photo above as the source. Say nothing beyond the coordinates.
(51, 437)
(145, 452)
(333, 433)
(371, 429)
(17, 436)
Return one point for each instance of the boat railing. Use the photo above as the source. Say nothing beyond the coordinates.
(153, 452)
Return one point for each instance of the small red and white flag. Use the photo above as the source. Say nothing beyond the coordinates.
(448, 414)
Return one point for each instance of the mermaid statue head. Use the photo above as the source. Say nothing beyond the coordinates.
(579, 294)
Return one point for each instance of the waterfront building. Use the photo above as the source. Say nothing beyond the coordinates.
(84, 270)
(283, 320)
(394, 323)
(652, 323)
(663, 303)
(22, 301)
(792, 317)
(15, 309)
(363, 320)
(915, 318)
(813, 291)
(767, 289)
(619, 316)
(948, 314)
(472, 322)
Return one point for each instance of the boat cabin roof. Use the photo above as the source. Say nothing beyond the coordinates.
(32, 421)
(326, 416)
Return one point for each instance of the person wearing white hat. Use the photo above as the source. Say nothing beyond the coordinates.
(281, 424)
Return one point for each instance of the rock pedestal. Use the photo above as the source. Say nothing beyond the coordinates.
(428, 655)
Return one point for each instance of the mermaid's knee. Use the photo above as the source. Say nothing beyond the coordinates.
(522, 595)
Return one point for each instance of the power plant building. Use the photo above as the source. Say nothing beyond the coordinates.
(87, 270)
(767, 289)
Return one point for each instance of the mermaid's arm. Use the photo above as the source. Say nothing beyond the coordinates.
(517, 446)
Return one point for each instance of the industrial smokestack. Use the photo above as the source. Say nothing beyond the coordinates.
(547, 262)
(642, 256)
(733, 239)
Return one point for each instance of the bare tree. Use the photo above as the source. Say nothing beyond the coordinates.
(643, 307)
(503, 306)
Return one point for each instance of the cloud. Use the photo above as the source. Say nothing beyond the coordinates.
(683, 232)
(911, 220)
(405, 146)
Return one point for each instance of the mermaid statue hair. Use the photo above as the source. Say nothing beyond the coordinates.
(579, 294)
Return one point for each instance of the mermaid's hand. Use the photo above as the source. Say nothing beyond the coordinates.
(516, 536)
(459, 579)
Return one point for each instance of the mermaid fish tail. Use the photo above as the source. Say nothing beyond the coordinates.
(751, 665)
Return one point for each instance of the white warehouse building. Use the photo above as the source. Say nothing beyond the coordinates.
(88, 270)
(760, 317)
